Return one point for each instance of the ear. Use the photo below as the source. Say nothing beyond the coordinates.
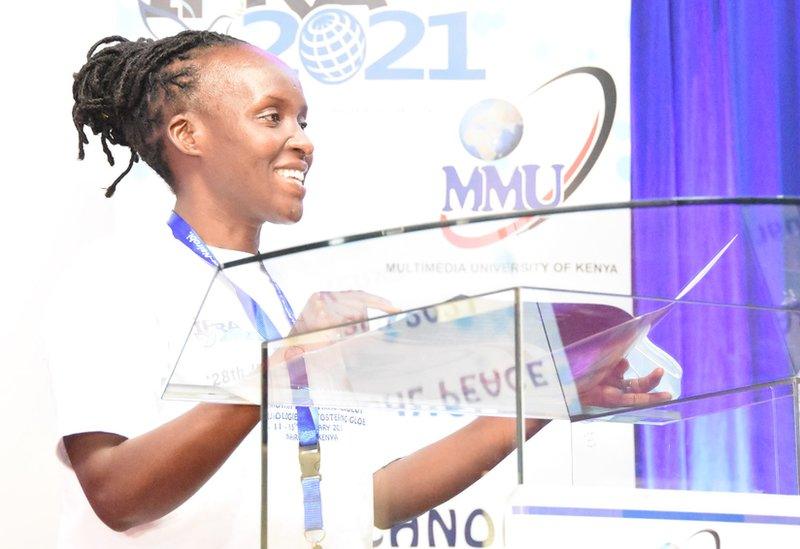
(185, 131)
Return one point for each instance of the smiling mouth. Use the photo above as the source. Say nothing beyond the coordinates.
(294, 175)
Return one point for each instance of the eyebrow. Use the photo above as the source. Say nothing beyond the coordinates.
(269, 97)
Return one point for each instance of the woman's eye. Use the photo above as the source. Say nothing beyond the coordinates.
(303, 124)
(271, 117)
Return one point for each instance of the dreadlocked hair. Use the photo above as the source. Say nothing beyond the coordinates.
(122, 91)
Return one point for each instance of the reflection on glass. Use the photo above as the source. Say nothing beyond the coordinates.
(541, 324)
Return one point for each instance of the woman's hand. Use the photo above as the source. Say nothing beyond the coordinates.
(325, 310)
(612, 390)
(328, 309)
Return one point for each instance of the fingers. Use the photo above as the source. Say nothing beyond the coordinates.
(616, 391)
(328, 309)
(643, 399)
(647, 383)
(346, 307)
(643, 384)
(365, 299)
(355, 299)
(611, 397)
(620, 368)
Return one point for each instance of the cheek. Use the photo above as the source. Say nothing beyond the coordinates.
(237, 142)
(264, 148)
(256, 139)
(224, 151)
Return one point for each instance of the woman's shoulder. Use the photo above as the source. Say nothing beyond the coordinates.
(130, 254)
(128, 269)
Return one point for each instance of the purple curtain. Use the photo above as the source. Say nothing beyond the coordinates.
(715, 101)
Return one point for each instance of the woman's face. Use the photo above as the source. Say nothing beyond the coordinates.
(255, 154)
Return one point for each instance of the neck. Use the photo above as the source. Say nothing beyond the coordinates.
(218, 227)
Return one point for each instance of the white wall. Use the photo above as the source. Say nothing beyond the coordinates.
(51, 203)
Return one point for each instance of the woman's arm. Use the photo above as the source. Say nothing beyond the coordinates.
(410, 486)
(129, 482)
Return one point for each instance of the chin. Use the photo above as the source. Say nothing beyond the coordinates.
(289, 219)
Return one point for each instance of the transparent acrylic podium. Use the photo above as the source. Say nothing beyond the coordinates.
(659, 313)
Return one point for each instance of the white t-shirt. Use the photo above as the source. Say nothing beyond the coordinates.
(117, 326)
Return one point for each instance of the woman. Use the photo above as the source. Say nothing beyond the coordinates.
(223, 124)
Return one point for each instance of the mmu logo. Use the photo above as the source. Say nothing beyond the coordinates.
(492, 129)
(486, 182)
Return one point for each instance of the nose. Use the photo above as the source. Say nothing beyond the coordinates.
(301, 143)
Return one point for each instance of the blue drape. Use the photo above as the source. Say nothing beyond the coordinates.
(715, 101)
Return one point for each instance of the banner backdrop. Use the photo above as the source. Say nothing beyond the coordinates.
(638, 519)
(432, 110)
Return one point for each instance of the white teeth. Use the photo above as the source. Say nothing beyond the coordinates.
(292, 174)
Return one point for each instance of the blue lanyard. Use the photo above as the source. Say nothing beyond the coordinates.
(186, 235)
(307, 416)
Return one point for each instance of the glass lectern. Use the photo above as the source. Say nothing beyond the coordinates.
(365, 349)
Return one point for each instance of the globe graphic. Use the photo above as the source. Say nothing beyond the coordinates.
(332, 46)
(491, 129)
